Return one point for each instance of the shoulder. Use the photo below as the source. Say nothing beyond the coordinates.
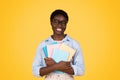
(42, 43)
(74, 42)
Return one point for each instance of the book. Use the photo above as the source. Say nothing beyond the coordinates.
(60, 55)
(50, 48)
(68, 49)
(45, 51)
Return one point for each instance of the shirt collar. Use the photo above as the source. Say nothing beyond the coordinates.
(67, 38)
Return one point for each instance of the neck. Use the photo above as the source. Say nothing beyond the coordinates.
(58, 37)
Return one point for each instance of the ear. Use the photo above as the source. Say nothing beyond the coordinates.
(51, 23)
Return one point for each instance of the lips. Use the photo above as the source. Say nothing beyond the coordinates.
(58, 29)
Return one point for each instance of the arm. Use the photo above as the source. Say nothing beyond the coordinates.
(78, 62)
(52, 66)
(37, 63)
(45, 70)
(43, 66)
(65, 67)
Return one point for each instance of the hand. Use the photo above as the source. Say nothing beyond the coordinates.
(63, 66)
(49, 61)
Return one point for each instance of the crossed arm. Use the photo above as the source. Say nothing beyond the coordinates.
(52, 66)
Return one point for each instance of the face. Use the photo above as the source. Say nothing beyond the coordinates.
(58, 24)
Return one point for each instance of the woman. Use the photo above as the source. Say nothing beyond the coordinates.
(63, 70)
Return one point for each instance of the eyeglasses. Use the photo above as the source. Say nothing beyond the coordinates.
(57, 22)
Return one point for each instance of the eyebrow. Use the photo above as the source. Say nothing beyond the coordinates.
(60, 20)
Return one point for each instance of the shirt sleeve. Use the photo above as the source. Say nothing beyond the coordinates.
(38, 62)
(78, 62)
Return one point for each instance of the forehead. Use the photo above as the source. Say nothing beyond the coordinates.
(59, 17)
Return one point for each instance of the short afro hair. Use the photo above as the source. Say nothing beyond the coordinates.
(59, 12)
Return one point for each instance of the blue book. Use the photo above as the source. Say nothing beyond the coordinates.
(60, 55)
(45, 51)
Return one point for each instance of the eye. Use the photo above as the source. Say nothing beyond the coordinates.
(56, 22)
(63, 22)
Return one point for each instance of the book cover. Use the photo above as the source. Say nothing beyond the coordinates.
(68, 49)
(50, 48)
(60, 55)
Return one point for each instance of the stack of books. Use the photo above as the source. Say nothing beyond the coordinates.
(59, 52)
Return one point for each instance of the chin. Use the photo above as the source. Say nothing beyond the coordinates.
(59, 33)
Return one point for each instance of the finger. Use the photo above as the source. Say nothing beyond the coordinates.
(67, 63)
(49, 58)
(68, 67)
(45, 58)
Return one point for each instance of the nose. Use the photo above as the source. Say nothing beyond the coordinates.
(59, 25)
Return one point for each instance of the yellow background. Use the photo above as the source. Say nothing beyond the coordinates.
(94, 23)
